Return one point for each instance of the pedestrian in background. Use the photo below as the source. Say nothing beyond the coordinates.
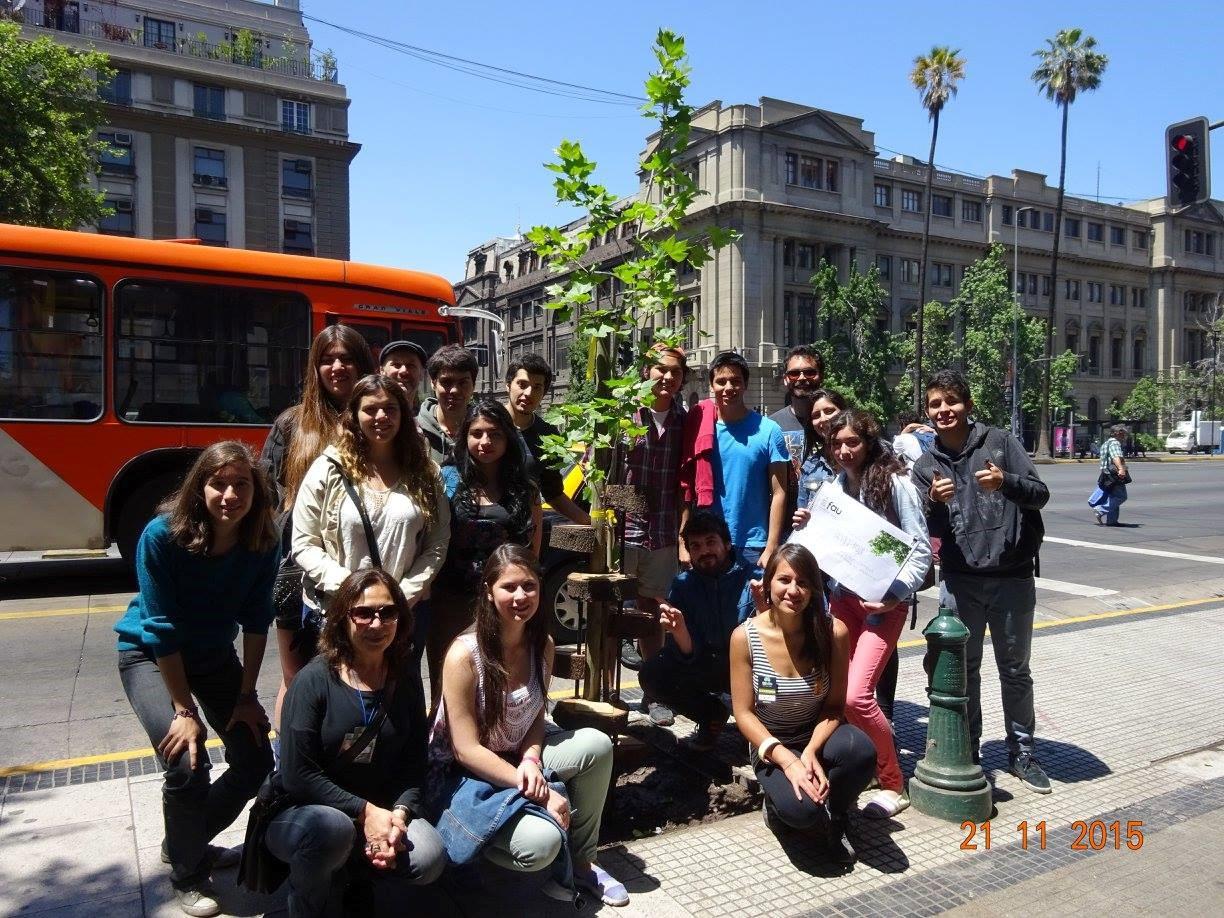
(338, 357)
(788, 685)
(1110, 494)
(205, 565)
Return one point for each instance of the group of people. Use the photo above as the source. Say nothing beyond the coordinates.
(374, 530)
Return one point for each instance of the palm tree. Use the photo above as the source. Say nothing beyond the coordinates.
(935, 76)
(1069, 65)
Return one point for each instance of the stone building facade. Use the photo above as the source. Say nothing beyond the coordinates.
(802, 184)
(224, 124)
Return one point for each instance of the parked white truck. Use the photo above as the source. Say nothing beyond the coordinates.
(1195, 435)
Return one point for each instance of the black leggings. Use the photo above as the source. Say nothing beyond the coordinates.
(849, 760)
(886, 688)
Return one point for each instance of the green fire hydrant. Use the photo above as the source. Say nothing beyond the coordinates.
(946, 783)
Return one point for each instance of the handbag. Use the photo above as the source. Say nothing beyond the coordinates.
(260, 870)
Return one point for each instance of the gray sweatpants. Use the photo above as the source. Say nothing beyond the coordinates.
(1006, 605)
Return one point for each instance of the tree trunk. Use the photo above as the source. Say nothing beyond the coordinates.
(919, 400)
(1044, 444)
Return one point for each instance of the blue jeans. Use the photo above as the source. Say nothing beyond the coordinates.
(1108, 504)
(1006, 604)
(317, 842)
(194, 808)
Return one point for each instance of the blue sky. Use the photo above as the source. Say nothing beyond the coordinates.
(449, 160)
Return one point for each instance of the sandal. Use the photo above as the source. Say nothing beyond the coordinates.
(885, 805)
(601, 884)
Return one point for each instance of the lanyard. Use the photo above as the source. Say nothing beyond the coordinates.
(367, 714)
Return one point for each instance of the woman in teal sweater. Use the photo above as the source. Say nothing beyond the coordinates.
(205, 565)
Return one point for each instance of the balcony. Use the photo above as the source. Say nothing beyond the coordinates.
(320, 67)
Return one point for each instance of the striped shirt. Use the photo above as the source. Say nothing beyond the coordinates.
(653, 464)
(787, 706)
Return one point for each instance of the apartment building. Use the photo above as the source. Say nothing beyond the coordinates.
(224, 122)
(801, 184)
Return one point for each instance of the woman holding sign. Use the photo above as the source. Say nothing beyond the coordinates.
(875, 477)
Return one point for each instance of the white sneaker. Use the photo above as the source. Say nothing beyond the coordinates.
(200, 902)
(885, 805)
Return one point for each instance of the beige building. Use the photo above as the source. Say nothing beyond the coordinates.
(224, 123)
(802, 184)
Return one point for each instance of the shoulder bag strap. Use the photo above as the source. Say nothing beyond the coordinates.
(368, 733)
(371, 542)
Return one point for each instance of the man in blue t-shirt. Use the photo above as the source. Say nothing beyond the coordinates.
(750, 464)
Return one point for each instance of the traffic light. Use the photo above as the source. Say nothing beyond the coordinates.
(1189, 157)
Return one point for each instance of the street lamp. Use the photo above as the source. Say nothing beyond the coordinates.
(497, 326)
(1017, 427)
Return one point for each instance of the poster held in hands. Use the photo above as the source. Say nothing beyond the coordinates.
(860, 550)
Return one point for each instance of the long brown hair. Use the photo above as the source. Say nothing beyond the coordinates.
(491, 712)
(817, 626)
(191, 525)
(879, 465)
(318, 416)
(418, 472)
(335, 645)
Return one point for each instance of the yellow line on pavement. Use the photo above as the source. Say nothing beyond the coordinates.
(55, 613)
(568, 692)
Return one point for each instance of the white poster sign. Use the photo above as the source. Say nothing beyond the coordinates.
(860, 550)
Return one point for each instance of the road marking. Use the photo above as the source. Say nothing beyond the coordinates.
(1072, 589)
(54, 764)
(55, 613)
(1154, 552)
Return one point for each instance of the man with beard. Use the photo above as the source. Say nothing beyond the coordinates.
(704, 606)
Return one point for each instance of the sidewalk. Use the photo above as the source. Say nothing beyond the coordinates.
(1122, 731)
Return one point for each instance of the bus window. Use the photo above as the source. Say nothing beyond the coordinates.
(50, 346)
(207, 354)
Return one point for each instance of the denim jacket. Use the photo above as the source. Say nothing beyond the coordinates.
(472, 811)
(713, 608)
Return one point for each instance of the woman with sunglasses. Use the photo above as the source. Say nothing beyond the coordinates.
(205, 566)
(356, 818)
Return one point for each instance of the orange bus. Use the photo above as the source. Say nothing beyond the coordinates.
(120, 359)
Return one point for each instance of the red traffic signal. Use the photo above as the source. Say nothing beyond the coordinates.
(1188, 161)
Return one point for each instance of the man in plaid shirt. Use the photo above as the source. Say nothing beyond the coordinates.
(653, 464)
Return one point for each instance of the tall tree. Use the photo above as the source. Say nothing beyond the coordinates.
(49, 116)
(1068, 66)
(935, 76)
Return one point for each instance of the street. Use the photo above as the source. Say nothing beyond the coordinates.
(60, 697)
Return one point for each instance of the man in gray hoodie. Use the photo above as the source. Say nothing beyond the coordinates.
(984, 501)
(452, 373)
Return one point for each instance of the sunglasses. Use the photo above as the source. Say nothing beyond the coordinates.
(807, 373)
(364, 615)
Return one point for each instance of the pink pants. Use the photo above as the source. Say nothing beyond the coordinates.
(870, 647)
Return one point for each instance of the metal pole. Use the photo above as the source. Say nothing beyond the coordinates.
(1017, 425)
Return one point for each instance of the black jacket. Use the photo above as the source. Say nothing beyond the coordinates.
(985, 533)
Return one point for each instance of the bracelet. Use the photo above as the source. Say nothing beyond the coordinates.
(767, 744)
(193, 713)
(535, 759)
(402, 808)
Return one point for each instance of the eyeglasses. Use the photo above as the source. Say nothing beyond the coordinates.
(364, 615)
(806, 373)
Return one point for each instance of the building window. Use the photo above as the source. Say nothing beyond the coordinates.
(299, 237)
(1117, 235)
(1117, 295)
(1095, 292)
(1096, 232)
(296, 178)
(941, 205)
(1073, 228)
(832, 182)
(1115, 356)
(118, 89)
(911, 200)
(792, 168)
(809, 171)
(941, 275)
(1190, 301)
(1200, 243)
(117, 156)
(805, 256)
(909, 270)
(1032, 284)
(1141, 239)
(121, 221)
(1047, 221)
(1072, 289)
(1137, 349)
(210, 226)
(1073, 342)
(1007, 215)
(158, 33)
(1094, 354)
(209, 167)
(295, 116)
(884, 266)
(971, 211)
(209, 102)
(788, 253)
(1139, 297)
(1045, 285)
(883, 195)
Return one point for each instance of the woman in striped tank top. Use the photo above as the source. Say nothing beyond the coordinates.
(490, 729)
(788, 687)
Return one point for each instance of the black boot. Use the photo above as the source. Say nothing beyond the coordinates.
(837, 841)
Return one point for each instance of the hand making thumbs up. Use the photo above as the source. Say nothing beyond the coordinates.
(989, 478)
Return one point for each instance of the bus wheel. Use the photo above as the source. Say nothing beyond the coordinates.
(139, 509)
